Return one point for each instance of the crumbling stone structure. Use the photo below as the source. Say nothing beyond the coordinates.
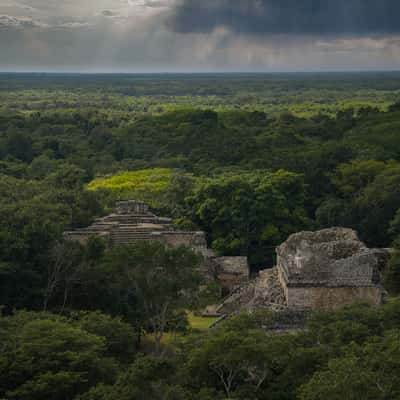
(328, 269)
(322, 270)
(132, 222)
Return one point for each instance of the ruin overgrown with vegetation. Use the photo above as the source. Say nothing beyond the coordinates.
(225, 170)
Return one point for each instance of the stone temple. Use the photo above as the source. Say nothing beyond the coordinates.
(322, 270)
(132, 222)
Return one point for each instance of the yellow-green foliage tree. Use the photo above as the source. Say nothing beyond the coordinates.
(147, 185)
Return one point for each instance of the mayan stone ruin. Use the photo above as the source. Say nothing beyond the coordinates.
(322, 270)
(132, 222)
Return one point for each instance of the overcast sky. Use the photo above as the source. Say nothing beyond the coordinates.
(199, 35)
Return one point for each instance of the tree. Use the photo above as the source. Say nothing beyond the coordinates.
(34, 215)
(63, 270)
(351, 178)
(343, 376)
(147, 185)
(378, 204)
(119, 336)
(146, 378)
(366, 199)
(43, 357)
(249, 213)
(149, 282)
(237, 361)
(19, 146)
(367, 372)
(28, 232)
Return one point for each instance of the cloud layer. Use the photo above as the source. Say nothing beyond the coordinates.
(316, 17)
(199, 35)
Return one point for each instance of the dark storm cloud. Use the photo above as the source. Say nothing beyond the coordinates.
(296, 17)
(203, 35)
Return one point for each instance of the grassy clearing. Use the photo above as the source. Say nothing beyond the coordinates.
(197, 323)
(200, 323)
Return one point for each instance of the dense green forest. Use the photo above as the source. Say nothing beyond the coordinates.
(305, 94)
(249, 159)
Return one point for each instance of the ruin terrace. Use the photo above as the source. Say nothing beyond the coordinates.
(133, 222)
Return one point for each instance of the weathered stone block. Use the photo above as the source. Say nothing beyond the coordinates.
(131, 207)
(328, 269)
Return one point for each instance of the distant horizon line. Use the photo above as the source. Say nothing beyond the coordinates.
(72, 72)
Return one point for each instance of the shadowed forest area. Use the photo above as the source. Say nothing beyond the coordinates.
(249, 159)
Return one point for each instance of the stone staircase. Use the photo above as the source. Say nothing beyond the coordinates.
(268, 292)
(265, 291)
(130, 234)
(238, 297)
(132, 219)
(126, 229)
(100, 226)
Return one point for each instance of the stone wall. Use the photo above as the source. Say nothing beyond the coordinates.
(329, 299)
(232, 272)
(195, 240)
(329, 257)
